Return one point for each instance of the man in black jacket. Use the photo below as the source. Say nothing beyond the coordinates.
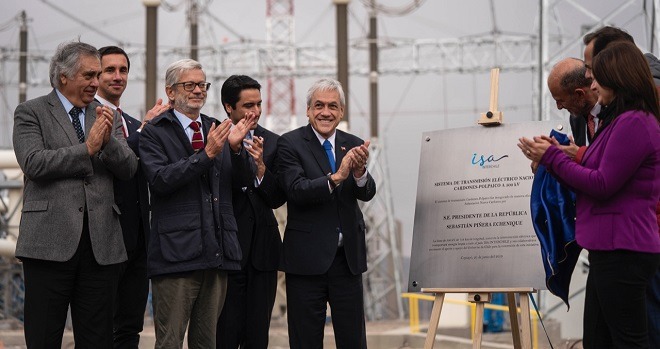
(245, 318)
(132, 198)
(187, 159)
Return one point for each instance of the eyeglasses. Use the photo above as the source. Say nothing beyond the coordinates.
(190, 86)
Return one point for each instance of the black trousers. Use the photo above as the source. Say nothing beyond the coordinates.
(307, 296)
(89, 288)
(245, 318)
(131, 301)
(653, 309)
(615, 300)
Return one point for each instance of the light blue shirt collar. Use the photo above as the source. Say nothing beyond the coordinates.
(185, 123)
(67, 107)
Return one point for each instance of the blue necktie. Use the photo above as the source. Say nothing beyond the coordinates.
(331, 157)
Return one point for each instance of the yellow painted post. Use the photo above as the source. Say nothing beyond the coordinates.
(535, 330)
(414, 315)
(473, 318)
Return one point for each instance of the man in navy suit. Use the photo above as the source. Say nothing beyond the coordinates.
(323, 172)
(132, 198)
(245, 318)
(188, 158)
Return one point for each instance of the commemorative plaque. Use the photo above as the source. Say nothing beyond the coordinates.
(472, 226)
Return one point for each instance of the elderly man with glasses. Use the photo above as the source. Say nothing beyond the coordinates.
(187, 159)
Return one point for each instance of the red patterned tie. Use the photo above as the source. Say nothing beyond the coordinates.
(591, 125)
(197, 141)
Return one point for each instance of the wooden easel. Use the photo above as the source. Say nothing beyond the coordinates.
(493, 117)
(522, 335)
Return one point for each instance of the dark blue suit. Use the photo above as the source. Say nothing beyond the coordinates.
(132, 198)
(245, 318)
(317, 271)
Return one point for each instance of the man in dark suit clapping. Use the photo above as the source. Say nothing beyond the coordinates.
(132, 198)
(245, 318)
(70, 149)
(323, 172)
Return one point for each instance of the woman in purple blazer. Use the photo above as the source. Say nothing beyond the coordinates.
(617, 187)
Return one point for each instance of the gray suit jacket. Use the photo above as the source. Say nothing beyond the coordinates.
(61, 180)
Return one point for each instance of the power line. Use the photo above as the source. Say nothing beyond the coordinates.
(83, 23)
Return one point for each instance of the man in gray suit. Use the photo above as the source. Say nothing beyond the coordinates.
(70, 149)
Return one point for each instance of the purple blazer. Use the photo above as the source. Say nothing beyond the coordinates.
(617, 185)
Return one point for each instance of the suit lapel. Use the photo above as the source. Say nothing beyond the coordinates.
(90, 117)
(62, 117)
(131, 126)
(341, 147)
(317, 150)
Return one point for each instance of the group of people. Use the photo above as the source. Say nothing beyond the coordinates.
(613, 166)
(185, 201)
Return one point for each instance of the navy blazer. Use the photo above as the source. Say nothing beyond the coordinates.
(132, 195)
(258, 232)
(315, 215)
(192, 222)
(579, 129)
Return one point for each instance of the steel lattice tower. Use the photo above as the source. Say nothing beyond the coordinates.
(280, 68)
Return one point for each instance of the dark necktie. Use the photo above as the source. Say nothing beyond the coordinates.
(253, 165)
(591, 126)
(123, 127)
(331, 157)
(197, 140)
(75, 120)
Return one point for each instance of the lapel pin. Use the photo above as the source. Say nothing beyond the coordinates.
(343, 148)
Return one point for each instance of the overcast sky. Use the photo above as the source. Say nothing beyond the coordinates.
(409, 104)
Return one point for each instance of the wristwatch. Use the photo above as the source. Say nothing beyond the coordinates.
(332, 183)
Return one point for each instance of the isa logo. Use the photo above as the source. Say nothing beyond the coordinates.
(487, 161)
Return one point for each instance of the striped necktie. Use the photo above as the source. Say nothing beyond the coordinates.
(197, 140)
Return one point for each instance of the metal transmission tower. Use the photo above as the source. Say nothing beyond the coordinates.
(382, 281)
(280, 66)
(555, 43)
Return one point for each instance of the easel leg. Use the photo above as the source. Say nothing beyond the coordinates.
(435, 318)
(526, 322)
(478, 326)
(513, 315)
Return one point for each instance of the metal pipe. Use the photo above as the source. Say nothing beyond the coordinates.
(373, 70)
(22, 65)
(342, 51)
(151, 64)
(193, 17)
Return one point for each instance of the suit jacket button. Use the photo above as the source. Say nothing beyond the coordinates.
(80, 209)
